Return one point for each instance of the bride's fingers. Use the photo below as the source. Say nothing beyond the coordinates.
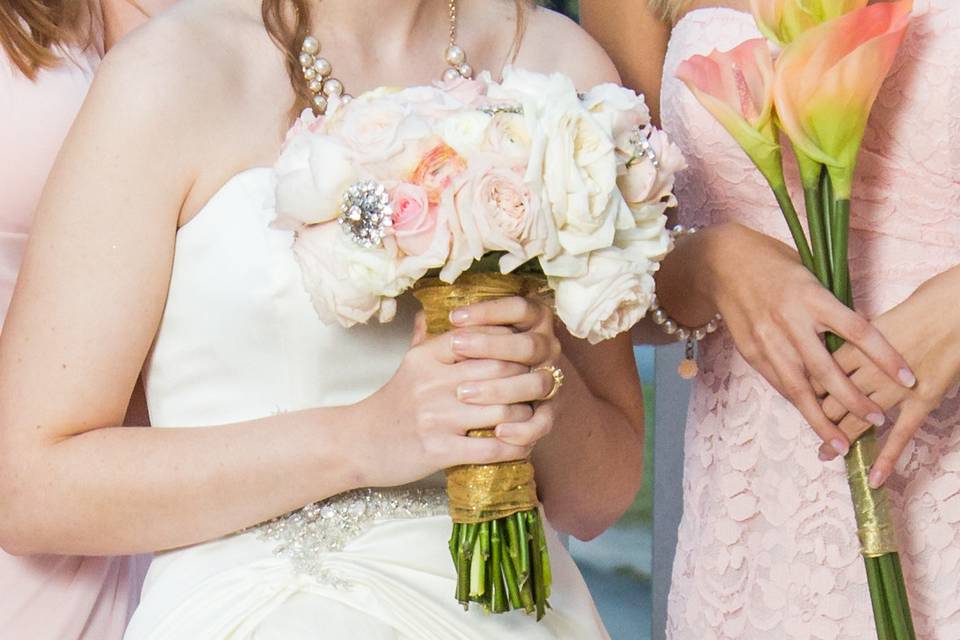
(484, 451)
(523, 313)
(530, 432)
(529, 348)
(912, 417)
(527, 387)
(857, 330)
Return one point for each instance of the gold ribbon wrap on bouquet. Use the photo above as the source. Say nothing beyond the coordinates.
(872, 507)
(481, 492)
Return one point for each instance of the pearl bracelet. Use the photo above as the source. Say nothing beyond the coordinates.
(691, 335)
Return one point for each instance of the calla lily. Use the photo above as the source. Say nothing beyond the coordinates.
(736, 87)
(826, 83)
(782, 21)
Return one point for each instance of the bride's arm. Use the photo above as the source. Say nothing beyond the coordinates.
(90, 297)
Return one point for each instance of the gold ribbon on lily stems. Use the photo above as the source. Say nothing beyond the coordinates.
(498, 543)
(836, 54)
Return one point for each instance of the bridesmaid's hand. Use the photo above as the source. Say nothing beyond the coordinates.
(776, 312)
(518, 330)
(926, 329)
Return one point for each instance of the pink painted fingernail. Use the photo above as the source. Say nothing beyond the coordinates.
(460, 343)
(467, 391)
(877, 477)
(826, 453)
(877, 419)
(907, 378)
(841, 447)
(459, 316)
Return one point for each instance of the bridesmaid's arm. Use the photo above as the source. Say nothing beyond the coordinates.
(636, 40)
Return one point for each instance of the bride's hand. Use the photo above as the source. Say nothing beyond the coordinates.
(517, 330)
(776, 311)
(449, 384)
(926, 329)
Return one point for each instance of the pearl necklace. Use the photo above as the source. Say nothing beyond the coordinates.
(323, 86)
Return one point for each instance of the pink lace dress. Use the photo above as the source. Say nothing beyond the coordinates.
(49, 597)
(767, 546)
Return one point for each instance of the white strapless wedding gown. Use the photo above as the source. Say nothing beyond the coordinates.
(240, 340)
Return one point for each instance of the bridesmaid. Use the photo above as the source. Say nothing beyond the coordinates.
(49, 54)
(768, 549)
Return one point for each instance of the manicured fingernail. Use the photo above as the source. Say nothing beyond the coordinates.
(877, 477)
(467, 391)
(907, 378)
(827, 453)
(877, 419)
(460, 344)
(459, 316)
(841, 447)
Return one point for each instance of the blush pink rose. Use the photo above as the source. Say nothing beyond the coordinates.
(414, 220)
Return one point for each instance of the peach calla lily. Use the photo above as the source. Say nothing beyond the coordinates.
(827, 81)
(736, 87)
(782, 21)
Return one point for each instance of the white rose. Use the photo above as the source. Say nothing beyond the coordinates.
(573, 160)
(312, 173)
(464, 131)
(621, 110)
(616, 291)
(376, 126)
(648, 189)
(347, 283)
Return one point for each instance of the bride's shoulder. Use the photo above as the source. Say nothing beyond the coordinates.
(553, 42)
(187, 60)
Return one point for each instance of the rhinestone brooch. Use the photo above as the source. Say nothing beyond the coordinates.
(365, 213)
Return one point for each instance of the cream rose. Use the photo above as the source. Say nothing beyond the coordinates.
(312, 173)
(376, 127)
(497, 211)
(347, 283)
(613, 295)
(648, 189)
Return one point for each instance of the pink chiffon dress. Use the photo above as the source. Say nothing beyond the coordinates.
(767, 545)
(49, 597)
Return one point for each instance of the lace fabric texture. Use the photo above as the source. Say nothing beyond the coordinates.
(767, 544)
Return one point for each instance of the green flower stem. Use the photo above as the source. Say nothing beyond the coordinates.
(539, 585)
(904, 600)
(793, 222)
(902, 629)
(498, 589)
(524, 539)
(878, 599)
(818, 235)
(543, 550)
(455, 541)
(477, 565)
(509, 573)
(826, 195)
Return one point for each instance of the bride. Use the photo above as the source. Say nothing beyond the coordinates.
(152, 252)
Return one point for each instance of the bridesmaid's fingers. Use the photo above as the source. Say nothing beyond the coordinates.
(912, 417)
(824, 369)
(857, 330)
(797, 389)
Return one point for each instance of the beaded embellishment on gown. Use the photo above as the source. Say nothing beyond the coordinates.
(767, 545)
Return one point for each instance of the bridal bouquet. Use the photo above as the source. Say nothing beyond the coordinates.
(819, 92)
(472, 190)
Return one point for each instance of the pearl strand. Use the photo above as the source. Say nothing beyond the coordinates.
(323, 86)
